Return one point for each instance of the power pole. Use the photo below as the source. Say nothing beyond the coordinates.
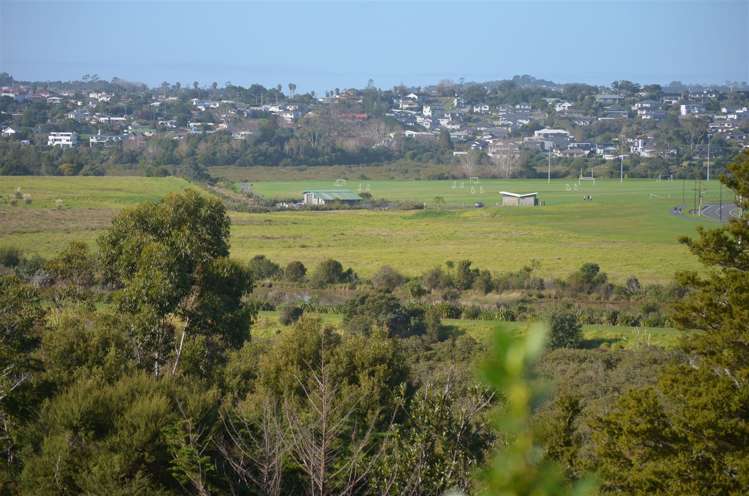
(708, 157)
(548, 174)
(720, 185)
(621, 168)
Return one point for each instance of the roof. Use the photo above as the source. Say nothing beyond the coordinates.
(517, 195)
(334, 194)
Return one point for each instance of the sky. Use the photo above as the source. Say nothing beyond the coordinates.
(324, 45)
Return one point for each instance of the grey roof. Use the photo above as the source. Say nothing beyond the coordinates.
(334, 194)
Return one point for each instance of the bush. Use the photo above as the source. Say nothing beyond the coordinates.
(288, 314)
(10, 256)
(331, 272)
(262, 268)
(566, 332)
(18, 194)
(472, 312)
(465, 275)
(295, 271)
(367, 312)
(387, 279)
(27, 199)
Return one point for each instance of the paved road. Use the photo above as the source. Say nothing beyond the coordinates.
(713, 210)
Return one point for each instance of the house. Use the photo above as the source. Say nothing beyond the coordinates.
(559, 138)
(518, 199)
(103, 139)
(8, 132)
(319, 197)
(609, 99)
(433, 111)
(691, 109)
(62, 139)
(563, 107)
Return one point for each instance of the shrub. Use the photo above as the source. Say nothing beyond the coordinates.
(436, 279)
(331, 272)
(416, 290)
(262, 268)
(387, 279)
(295, 271)
(10, 256)
(465, 275)
(565, 331)
(484, 282)
(288, 314)
(472, 312)
(59, 204)
(18, 195)
(366, 312)
(27, 199)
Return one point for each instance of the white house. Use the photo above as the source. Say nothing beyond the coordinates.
(62, 139)
(7, 132)
(691, 109)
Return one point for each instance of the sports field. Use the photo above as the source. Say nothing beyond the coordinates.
(627, 228)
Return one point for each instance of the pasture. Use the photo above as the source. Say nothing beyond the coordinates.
(627, 228)
(595, 336)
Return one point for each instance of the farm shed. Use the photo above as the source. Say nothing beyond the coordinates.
(325, 196)
(518, 199)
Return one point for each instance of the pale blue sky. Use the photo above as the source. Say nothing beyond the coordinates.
(321, 45)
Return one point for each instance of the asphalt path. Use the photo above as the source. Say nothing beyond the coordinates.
(713, 211)
(721, 212)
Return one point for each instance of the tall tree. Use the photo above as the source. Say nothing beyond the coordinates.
(690, 433)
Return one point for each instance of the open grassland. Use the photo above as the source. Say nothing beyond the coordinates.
(595, 336)
(88, 205)
(627, 228)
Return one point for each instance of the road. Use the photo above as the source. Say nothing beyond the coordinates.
(713, 211)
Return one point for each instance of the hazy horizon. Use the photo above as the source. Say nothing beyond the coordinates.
(324, 45)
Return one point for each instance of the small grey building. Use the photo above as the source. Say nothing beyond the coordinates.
(518, 199)
(326, 196)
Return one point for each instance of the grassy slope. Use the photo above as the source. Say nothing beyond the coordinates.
(625, 228)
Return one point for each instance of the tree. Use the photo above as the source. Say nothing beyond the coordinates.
(566, 332)
(263, 268)
(169, 261)
(371, 311)
(387, 279)
(295, 271)
(689, 434)
(331, 272)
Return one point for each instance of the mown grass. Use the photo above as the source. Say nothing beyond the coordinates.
(627, 228)
(595, 336)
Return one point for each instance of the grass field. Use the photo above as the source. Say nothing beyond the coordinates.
(595, 336)
(627, 228)
(88, 205)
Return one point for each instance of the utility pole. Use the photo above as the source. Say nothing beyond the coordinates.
(720, 185)
(621, 168)
(708, 157)
(548, 174)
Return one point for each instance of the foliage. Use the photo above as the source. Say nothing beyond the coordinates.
(262, 268)
(371, 311)
(295, 271)
(331, 272)
(519, 468)
(689, 433)
(288, 314)
(387, 279)
(566, 332)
